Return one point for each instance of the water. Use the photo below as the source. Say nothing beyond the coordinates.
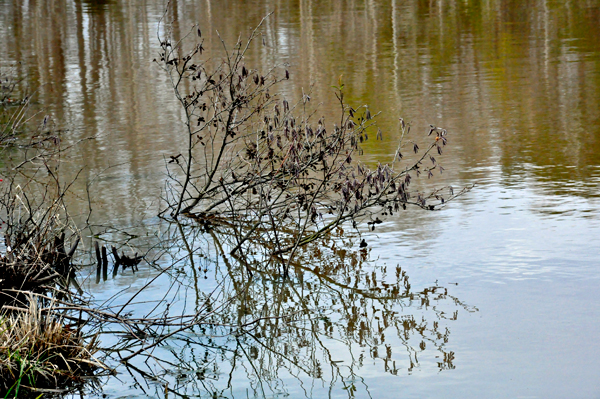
(517, 85)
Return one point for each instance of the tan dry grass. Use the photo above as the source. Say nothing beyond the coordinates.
(38, 350)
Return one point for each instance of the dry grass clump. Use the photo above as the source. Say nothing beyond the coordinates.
(40, 352)
(39, 349)
(34, 263)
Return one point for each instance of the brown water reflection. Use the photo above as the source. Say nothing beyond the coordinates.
(517, 83)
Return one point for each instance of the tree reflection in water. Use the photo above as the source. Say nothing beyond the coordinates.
(339, 314)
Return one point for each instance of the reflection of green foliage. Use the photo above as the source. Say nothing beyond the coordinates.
(96, 6)
(533, 64)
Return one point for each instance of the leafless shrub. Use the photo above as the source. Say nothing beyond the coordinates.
(274, 171)
(14, 104)
(35, 224)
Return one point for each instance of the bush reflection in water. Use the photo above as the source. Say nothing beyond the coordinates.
(338, 315)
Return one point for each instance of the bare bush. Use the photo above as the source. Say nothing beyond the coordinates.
(35, 222)
(277, 173)
(13, 104)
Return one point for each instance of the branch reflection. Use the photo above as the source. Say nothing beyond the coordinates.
(339, 317)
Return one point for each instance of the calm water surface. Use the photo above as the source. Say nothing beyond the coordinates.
(517, 85)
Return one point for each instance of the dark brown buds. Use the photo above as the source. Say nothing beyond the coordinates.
(174, 158)
(251, 151)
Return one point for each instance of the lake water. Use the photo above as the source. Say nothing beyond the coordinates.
(505, 279)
